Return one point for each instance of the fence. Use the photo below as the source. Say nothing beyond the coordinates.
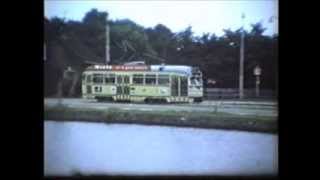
(229, 93)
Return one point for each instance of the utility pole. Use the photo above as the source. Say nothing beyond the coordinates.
(241, 77)
(271, 20)
(107, 41)
(257, 86)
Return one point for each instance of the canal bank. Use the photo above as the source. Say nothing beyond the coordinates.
(199, 119)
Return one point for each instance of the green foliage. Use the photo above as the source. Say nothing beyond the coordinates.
(71, 43)
(208, 119)
(129, 42)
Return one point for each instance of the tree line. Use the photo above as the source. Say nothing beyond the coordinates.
(73, 43)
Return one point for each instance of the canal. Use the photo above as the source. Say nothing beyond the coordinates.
(120, 149)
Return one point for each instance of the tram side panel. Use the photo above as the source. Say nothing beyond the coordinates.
(172, 86)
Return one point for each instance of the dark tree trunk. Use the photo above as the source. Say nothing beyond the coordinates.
(59, 88)
(75, 80)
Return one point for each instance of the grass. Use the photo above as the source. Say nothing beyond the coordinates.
(217, 120)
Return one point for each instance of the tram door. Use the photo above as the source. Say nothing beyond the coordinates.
(179, 86)
(123, 82)
(183, 86)
(174, 85)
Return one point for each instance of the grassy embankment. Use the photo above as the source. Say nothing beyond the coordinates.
(217, 120)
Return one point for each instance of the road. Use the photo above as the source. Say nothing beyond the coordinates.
(234, 107)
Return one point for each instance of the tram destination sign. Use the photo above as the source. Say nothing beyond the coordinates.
(121, 67)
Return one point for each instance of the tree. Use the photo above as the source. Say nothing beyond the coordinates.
(257, 29)
(94, 31)
(160, 38)
(130, 42)
(72, 43)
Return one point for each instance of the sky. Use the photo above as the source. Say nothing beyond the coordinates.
(205, 16)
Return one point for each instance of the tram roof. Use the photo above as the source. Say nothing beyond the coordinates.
(155, 68)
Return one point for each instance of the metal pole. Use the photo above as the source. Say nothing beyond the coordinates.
(107, 42)
(257, 86)
(241, 77)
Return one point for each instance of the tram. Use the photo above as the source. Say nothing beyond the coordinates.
(143, 83)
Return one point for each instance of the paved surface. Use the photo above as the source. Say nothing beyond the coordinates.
(236, 107)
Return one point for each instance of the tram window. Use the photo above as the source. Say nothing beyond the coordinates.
(193, 81)
(199, 80)
(110, 78)
(97, 78)
(196, 81)
(119, 79)
(89, 79)
(150, 79)
(83, 77)
(137, 79)
(126, 79)
(163, 79)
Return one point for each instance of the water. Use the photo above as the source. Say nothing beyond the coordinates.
(97, 148)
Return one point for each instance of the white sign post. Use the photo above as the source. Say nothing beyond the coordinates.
(257, 73)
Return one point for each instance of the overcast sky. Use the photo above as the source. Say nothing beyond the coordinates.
(204, 16)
